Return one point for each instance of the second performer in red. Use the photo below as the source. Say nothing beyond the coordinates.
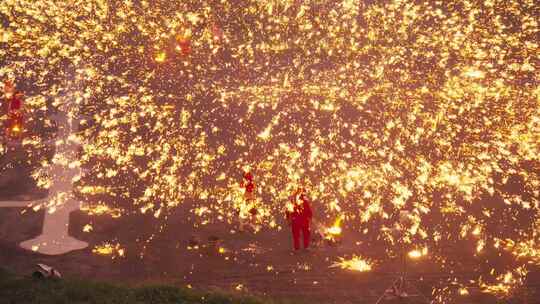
(300, 218)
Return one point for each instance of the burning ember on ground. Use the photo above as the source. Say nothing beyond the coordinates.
(375, 107)
(418, 253)
(113, 250)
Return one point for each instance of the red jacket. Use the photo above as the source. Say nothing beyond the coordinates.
(15, 103)
(301, 214)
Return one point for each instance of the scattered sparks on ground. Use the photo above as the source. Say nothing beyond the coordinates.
(113, 250)
(505, 283)
(355, 263)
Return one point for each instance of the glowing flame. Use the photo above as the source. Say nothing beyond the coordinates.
(335, 230)
(418, 253)
(477, 230)
(265, 135)
(161, 56)
(87, 228)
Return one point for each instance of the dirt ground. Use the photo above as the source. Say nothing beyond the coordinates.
(259, 263)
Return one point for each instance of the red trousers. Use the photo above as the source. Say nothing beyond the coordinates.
(298, 227)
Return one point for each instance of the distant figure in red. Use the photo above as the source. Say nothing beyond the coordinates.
(183, 44)
(217, 33)
(249, 186)
(9, 92)
(248, 218)
(14, 102)
(300, 218)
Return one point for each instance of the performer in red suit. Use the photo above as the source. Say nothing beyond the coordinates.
(250, 218)
(14, 101)
(9, 91)
(300, 219)
(183, 44)
(249, 186)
